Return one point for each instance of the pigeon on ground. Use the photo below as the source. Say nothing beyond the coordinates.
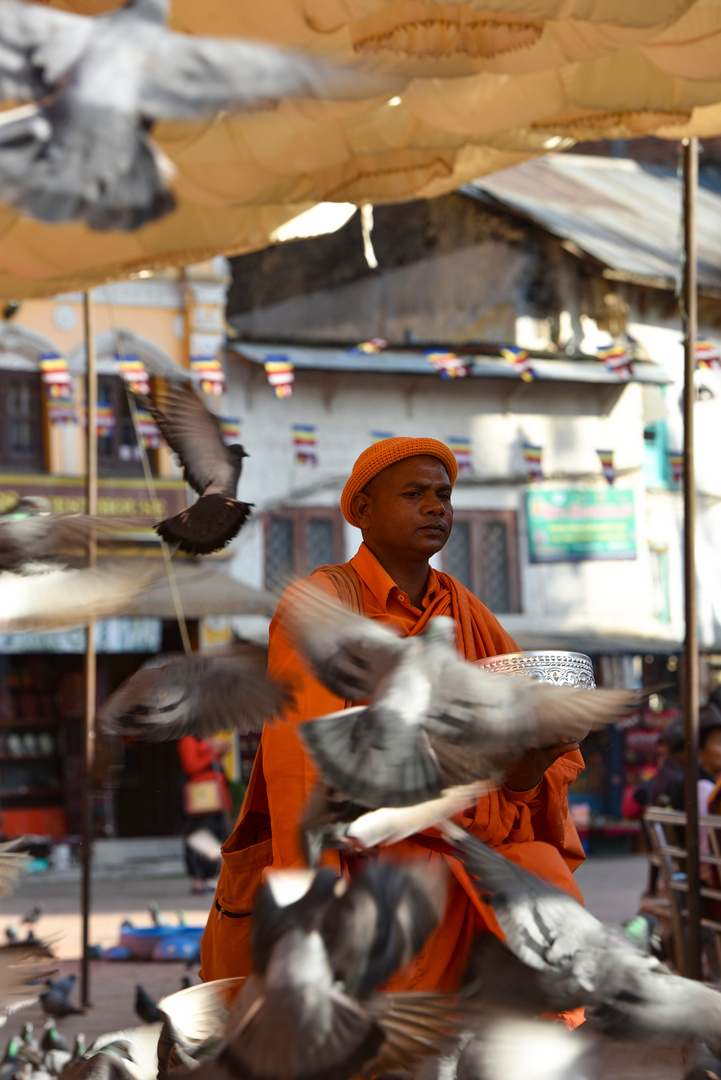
(211, 468)
(159, 917)
(511, 1048)
(52, 1039)
(34, 914)
(79, 1045)
(111, 1061)
(57, 598)
(145, 1007)
(332, 821)
(320, 946)
(12, 933)
(27, 1034)
(560, 957)
(434, 720)
(200, 694)
(84, 152)
(55, 1000)
(29, 533)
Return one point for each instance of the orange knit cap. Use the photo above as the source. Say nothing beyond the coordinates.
(382, 454)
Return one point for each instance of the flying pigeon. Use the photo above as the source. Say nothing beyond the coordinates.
(434, 720)
(333, 821)
(319, 947)
(194, 1022)
(210, 467)
(84, 151)
(200, 694)
(510, 1048)
(30, 533)
(57, 598)
(559, 957)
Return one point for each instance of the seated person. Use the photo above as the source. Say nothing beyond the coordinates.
(399, 496)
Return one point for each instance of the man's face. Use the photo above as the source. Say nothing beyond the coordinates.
(407, 508)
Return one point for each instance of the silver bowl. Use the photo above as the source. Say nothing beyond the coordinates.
(547, 665)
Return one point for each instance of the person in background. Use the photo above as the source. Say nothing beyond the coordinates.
(200, 759)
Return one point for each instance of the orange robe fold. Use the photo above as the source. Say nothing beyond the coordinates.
(531, 828)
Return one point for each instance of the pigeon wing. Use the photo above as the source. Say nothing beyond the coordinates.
(38, 46)
(198, 695)
(415, 1026)
(349, 653)
(40, 536)
(543, 926)
(193, 433)
(194, 76)
(59, 599)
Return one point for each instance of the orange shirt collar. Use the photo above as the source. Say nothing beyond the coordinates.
(379, 582)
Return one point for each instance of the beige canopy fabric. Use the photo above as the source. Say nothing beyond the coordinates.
(479, 86)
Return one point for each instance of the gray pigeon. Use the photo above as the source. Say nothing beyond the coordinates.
(319, 947)
(200, 694)
(560, 957)
(55, 1001)
(510, 1048)
(85, 153)
(211, 468)
(31, 533)
(434, 720)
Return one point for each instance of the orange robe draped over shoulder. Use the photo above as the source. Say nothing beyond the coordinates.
(532, 828)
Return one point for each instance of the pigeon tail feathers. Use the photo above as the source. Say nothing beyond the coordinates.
(207, 526)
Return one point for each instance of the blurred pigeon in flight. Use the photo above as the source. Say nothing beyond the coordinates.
(84, 152)
(210, 467)
(199, 694)
(569, 958)
(56, 597)
(319, 947)
(194, 1022)
(30, 533)
(434, 720)
(509, 1048)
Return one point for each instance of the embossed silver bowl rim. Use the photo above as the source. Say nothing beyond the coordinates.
(542, 660)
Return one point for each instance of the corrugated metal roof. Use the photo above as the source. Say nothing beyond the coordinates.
(318, 358)
(627, 216)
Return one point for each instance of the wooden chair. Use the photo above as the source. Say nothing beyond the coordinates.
(665, 829)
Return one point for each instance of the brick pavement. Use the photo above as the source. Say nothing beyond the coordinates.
(611, 887)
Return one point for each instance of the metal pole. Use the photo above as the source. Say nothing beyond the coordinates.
(691, 667)
(91, 387)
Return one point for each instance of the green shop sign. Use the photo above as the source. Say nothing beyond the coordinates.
(572, 526)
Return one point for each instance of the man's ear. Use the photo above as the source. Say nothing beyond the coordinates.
(361, 506)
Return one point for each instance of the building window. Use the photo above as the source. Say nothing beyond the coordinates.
(298, 540)
(482, 553)
(118, 450)
(21, 421)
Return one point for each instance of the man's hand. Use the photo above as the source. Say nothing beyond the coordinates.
(527, 771)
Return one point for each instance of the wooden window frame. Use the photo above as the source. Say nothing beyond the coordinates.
(476, 520)
(17, 462)
(300, 516)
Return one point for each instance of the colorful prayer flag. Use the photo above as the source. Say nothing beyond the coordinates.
(132, 371)
(209, 373)
(676, 464)
(56, 378)
(532, 457)
(148, 432)
(62, 412)
(461, 448)
(375, 345)
(229, 429)
(281, 375)
(304, 442)
(448, 365)
(616, 359)
(106, 421)
(380, 436)
(607, 466)
(707, 355)
(518, 358)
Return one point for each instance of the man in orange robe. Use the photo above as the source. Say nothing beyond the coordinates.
(399, 495)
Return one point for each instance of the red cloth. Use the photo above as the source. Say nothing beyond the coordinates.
(199, 761)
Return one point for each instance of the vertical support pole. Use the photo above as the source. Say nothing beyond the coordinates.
(91, 389)
(691, 668)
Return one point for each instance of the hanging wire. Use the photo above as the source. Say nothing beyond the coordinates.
(151, 489)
